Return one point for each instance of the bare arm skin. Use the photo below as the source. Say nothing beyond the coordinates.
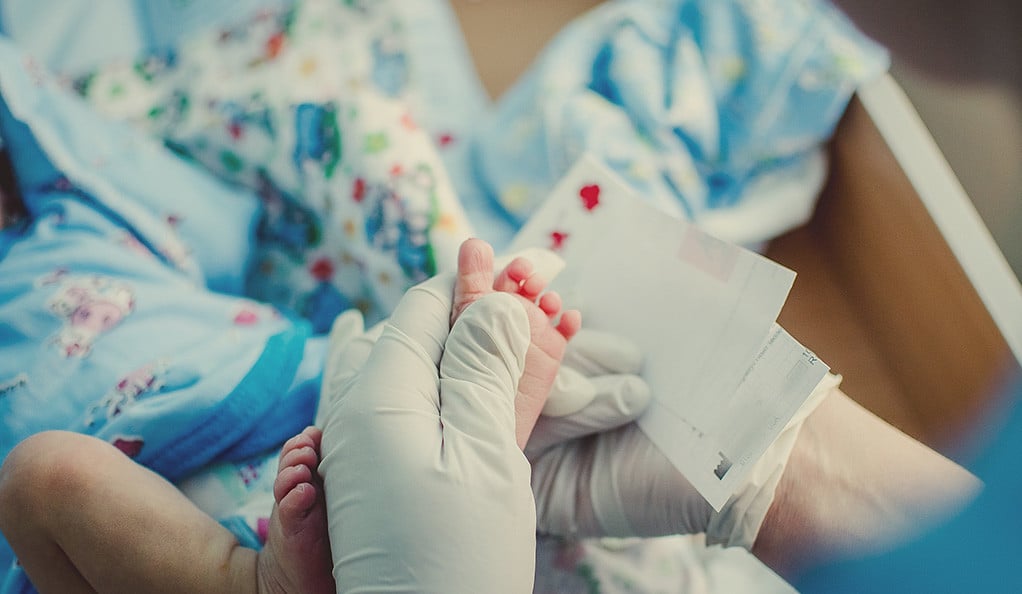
(854, 485)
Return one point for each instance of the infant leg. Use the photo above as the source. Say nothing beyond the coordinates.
(82, 517)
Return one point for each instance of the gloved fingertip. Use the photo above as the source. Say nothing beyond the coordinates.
(623, 397)
(596, 352)
(348, 324)
(635, 394)
(570, 393)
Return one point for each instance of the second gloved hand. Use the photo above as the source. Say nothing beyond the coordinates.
(427, 490)
(595, 473)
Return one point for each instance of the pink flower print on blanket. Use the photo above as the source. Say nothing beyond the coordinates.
(145, 379)
(90, 306)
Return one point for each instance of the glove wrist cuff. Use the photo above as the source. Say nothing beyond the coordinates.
(739, 521)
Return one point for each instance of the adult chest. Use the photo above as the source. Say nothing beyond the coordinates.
(503, 37)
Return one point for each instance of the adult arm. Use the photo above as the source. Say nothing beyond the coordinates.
(853, 485)
(838, 481)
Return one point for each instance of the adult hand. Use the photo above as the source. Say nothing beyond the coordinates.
(427, 490)
(594, 472)
(392, 401)
(597, 474)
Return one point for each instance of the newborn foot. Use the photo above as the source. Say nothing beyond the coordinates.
(475, 280)
(296, 558)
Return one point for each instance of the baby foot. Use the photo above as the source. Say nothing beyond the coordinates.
(296, 557)
(475, 279)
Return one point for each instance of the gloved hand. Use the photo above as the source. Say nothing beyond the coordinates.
(453, 509)
(599, 475)
(596, 474)
(427, 490)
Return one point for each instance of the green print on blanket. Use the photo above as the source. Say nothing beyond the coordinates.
(303, 144)
(317, 137)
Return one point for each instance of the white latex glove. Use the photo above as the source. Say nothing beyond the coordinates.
(617, 483)
(596, 474)
(426, 488)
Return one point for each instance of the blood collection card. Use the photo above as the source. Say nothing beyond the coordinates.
(725, 377)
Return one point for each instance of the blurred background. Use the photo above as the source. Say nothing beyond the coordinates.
(961, 65)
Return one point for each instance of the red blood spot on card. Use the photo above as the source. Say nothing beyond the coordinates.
(130, 446)
(396, 169)
(274, 44)
(557, 239)
(358, 191)
(322, 269)
(445, 140)
(246, 317)
(590, 196)
(235, 130)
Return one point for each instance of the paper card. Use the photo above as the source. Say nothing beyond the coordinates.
(700, 309)
(783, 375)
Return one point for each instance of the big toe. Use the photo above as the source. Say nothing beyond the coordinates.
(475, 274)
